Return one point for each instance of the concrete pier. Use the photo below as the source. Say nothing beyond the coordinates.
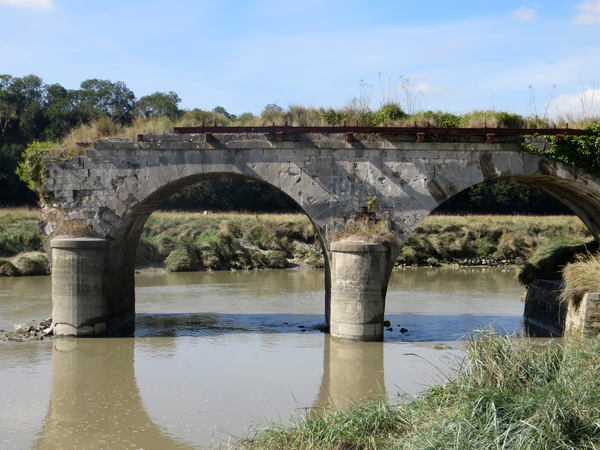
(359, 280)
(78, 300)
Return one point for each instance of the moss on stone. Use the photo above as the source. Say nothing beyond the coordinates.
(38, 265)
(182, 259)
(7, 269)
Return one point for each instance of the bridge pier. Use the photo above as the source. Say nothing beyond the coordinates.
(359, 280)
(78, 300)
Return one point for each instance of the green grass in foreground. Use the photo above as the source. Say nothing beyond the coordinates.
(509, 394)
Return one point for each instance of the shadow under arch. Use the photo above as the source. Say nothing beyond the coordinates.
(120, 268)
(577, 194)
(578, 197)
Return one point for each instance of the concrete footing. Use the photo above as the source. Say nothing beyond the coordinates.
(583, 318)
(78, 301)
(546, 315)
(359, 279)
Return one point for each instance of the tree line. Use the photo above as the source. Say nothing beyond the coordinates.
(31, 111)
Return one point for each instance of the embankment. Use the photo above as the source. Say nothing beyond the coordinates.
(230, 241)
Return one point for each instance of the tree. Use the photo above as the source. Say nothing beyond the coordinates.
(103, 97)
(223, 112)
(59, 112)
(158, 104)
(21, 101)
(8, 102)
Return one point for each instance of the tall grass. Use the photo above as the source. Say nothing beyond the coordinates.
(189, 242)
(452, 238)
(508, 394)
(19, 232)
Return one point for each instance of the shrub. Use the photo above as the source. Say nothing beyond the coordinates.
(183, 259)
(38, 265)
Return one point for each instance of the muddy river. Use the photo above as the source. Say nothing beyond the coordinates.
(216, 354)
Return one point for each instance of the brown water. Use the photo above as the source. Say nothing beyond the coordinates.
(216, 353)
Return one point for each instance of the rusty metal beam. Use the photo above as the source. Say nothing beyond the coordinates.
(385, 130)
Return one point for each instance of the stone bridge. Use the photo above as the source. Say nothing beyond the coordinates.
(109, 194)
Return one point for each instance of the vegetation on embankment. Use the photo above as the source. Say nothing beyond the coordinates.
(187, 242)
(508, 394)
(486, 239)
(19, 235)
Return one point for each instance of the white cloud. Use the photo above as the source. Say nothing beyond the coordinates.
(590, 12)
(29, 4)
(426, 88)
(525, 14)
(582, 105)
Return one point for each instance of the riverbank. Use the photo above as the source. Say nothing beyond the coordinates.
(182, 241)
(507, 394)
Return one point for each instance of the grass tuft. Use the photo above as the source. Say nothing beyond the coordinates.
(509, 394)
(581, 277)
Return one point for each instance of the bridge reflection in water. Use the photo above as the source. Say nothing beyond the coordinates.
(96, 401)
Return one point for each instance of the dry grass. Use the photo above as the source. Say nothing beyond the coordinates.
(299, 115)
(367, 231)
(231, 216)
(13, 215)
(581, 277)
(516, 222)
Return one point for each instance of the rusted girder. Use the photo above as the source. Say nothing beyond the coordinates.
(286, 129)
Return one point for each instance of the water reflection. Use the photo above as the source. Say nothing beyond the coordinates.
(95, 401)
(351, 371)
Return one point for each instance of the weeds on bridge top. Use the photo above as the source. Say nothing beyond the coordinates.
(389, 114)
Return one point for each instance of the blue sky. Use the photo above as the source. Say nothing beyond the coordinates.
(245, 54)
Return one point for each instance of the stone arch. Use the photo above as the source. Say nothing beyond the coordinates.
(579, 191)
(124, 240)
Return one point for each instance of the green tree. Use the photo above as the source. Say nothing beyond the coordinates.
(103, 97)
(9, 102)
(223, 112)
(158, 104)
(60, 114)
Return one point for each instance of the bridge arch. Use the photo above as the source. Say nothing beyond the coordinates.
(577, 190)
(124, 240)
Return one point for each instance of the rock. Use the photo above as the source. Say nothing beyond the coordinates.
(387, 323)
(45, 323)
(301, 326)
(403, 330)
(48, 331)
(302, 331)
(22, 327)
(390, 329)
(323, 328)
(441, 347)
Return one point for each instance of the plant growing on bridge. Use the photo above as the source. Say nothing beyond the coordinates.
(582, 152)
(33, 169)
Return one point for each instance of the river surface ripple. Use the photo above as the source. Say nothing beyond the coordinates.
(217, 353)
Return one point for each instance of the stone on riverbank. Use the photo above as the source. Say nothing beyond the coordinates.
(25, 332)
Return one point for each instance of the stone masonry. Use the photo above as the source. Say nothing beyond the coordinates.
(111, 192)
